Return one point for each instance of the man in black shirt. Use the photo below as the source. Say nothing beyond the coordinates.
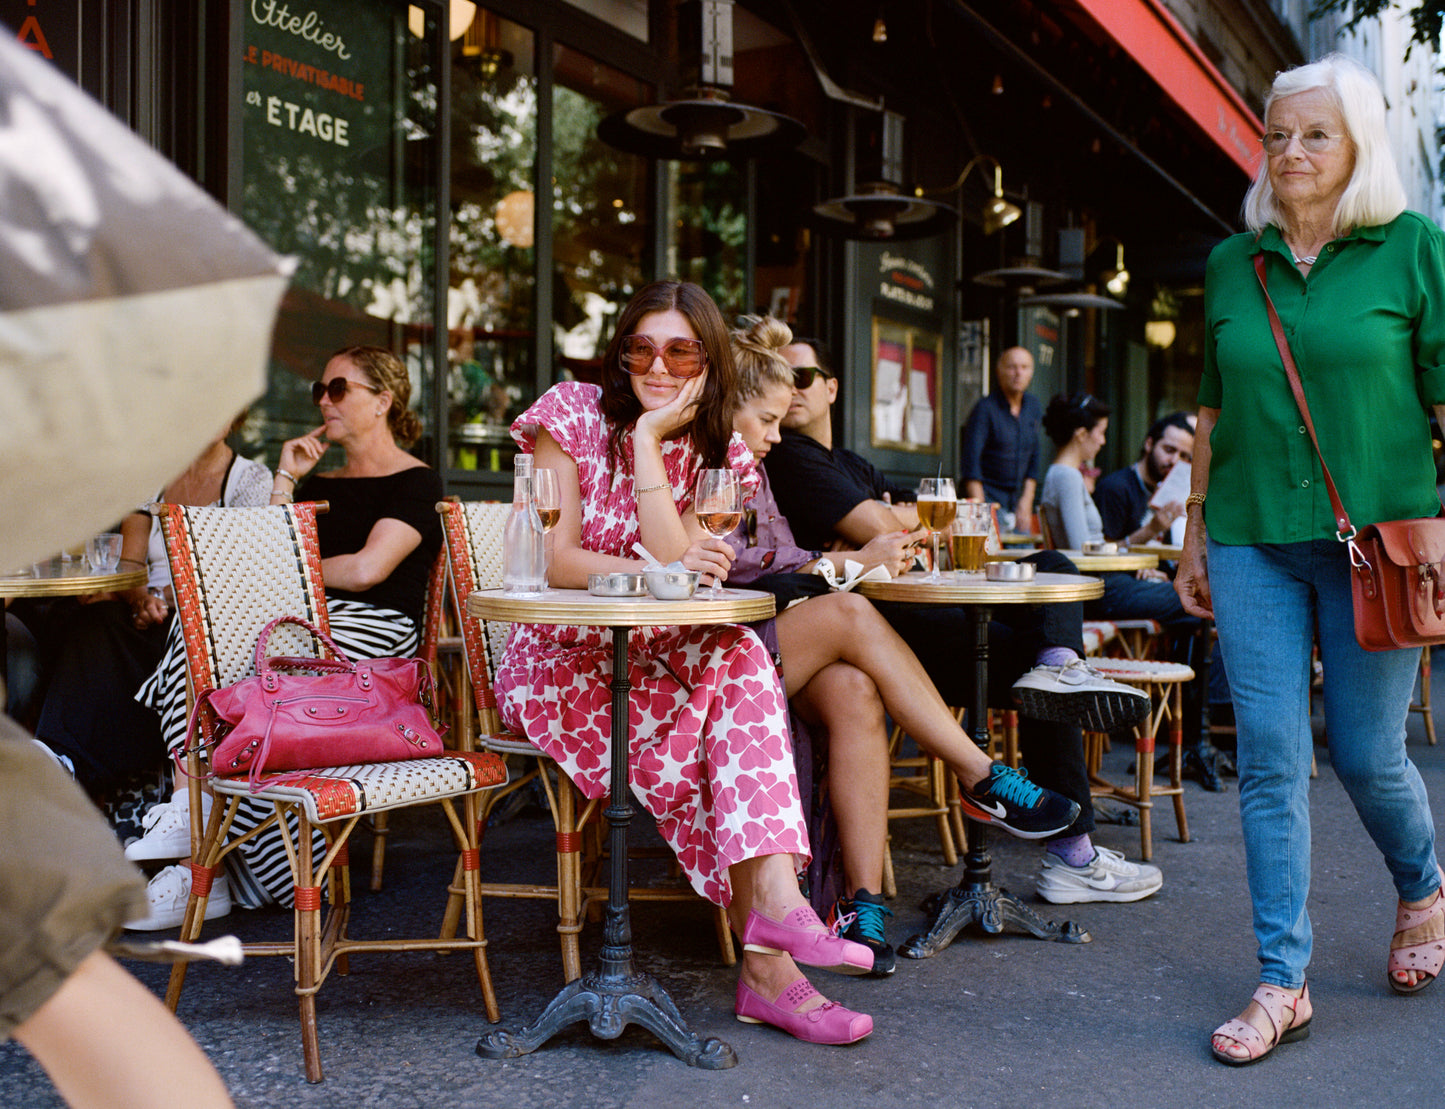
(831, 495)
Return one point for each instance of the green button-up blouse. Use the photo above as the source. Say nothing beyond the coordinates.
(1367, 330)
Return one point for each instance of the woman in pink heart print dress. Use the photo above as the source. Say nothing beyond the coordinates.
(710, 757)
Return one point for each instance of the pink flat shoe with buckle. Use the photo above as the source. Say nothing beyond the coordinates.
(828, 1023)
(807, 939)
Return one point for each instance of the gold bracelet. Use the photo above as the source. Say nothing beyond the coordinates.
(288, 475)
(1194, 498)
(653, 488)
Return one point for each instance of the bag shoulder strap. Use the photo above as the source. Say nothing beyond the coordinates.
(1344, 530)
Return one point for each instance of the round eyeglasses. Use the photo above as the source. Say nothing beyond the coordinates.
(1314, 141)
(682, 357)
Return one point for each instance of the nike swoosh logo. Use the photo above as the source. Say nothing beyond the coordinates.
(994, 810)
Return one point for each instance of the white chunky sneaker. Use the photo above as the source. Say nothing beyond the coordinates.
(1109, 877)
(1076, 693)
(168, 893)
(167, 829)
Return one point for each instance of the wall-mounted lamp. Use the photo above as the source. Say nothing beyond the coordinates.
(1115, 276)
(459, 18)
(1159, 334)
(997, 213)
(880, 29)
(1160, 330)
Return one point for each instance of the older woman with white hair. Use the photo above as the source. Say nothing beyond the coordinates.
(1359, 284)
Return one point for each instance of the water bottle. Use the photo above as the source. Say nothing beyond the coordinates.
(524, 553)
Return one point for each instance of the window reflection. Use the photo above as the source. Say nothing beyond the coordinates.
(337, 153)
(491, 313)
(707, 239)
(599, 218)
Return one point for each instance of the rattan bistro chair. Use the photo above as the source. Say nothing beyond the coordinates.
(234, 570)
(473, 543)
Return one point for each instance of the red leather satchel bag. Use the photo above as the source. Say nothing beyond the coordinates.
(1397, 566)
(376, 710)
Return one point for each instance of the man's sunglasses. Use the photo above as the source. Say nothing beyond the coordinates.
(804, 376)
(336, 389)
(682, 357)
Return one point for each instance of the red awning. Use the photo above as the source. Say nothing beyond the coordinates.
(1165, 51)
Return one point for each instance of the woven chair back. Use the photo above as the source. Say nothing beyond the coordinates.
(473, 547)
(235, 570)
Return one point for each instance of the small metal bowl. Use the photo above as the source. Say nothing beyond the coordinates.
(616, 585)
(1099, 548)
(671, 585)
(1009, 571)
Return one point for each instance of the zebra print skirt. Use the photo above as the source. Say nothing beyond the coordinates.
(259, 871)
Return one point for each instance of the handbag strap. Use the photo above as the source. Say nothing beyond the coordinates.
(1344, 530)
(261, 664)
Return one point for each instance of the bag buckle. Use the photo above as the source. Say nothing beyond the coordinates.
(1350, 539)
(1357, 556)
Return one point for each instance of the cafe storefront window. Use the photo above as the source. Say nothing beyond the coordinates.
(600, 223)
(338, 126)
(595, 225)
(491, 295)
(707, 237)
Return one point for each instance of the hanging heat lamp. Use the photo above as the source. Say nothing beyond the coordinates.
(708, 123)
(879, 211)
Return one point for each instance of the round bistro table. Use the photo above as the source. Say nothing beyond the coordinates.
(1135, 559)
(66, 579)
(975, 899)
(616, 994)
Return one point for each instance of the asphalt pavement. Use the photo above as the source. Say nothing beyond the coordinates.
(997, 1021)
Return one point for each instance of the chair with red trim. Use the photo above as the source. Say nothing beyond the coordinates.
(234, 570)
(1163, 681)
(435, 646)
(473, 546)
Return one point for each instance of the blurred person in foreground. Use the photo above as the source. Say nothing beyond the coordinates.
(1360, 287)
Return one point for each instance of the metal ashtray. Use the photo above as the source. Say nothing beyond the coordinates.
(671, 585)
(1099, 548)
(1009, 571)
(621, 584)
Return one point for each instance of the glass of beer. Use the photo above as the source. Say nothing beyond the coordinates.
(967, 538)
(936, 505)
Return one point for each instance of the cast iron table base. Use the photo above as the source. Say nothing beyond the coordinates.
(976, 900)
(615, 995)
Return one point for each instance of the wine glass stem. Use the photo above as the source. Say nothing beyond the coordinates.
(934, 574)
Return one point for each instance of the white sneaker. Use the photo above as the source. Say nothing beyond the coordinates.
(1109, 877)
(167, 829)
(1076, 693)
(168, 893)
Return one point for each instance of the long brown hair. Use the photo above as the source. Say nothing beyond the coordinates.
(711, 425)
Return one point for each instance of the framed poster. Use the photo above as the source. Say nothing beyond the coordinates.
(906, 383)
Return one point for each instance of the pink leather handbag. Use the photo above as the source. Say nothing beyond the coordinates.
(376, 710)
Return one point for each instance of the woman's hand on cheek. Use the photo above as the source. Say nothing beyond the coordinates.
(676, 413)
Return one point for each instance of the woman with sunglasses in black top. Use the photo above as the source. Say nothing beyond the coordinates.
(378, 542)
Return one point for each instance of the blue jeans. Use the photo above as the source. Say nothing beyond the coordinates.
(1267, 600)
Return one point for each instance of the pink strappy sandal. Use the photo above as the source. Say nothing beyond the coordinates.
(1413, 948)
(1289, 1017)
